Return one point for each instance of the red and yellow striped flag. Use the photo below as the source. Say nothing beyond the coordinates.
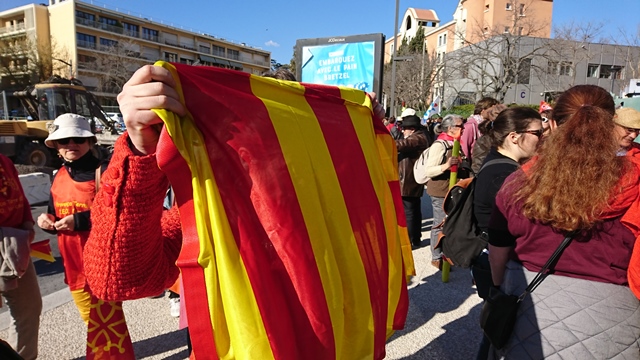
(42, 250)
(295, 243)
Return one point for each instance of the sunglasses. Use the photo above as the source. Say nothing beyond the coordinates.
(632, 130)
(461, 126)
(76, 140)
(537, 133)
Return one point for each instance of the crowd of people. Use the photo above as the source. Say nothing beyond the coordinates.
(571, 168)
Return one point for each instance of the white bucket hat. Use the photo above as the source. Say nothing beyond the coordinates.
(67, 126)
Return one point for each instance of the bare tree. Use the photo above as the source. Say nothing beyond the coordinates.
(568, 48)
(415, 73)
(115, 62)
(24, 61)
(494, 59)
(632, 58)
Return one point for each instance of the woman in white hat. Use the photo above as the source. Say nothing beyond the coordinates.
(72, 193)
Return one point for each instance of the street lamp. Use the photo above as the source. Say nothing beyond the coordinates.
(393, 62)
(615, 69)
(69, 64)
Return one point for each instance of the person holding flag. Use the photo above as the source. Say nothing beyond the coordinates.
(436, 173)
(287, 230)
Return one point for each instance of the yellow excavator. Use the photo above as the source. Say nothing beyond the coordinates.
(23, 140)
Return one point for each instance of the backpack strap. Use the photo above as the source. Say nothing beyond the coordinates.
(497, 161)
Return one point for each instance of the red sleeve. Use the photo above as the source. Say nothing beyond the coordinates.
(132, 250)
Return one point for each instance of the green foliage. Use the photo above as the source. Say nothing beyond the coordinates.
(463, 110)
(417, 43)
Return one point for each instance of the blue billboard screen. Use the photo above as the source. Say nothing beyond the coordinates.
(345, 64)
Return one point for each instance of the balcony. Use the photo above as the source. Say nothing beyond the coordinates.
(10, 30)
(87, 44)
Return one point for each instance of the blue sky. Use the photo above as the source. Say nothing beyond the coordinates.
(275, 25)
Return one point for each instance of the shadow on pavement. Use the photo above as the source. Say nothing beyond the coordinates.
(161, 344)
(462, 336)
(45, 268)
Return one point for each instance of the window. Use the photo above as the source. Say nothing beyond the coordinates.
(82, 105)
(108, 42)
(150, 34)
(506, 29)
(509, 7)
(566, 68)
(85, 18)
(186, 61)
(170, 57)
(520, 30)
(108, 23)
(486, 8)
(204, 49)
(444, 39)
(130, 29)
(86, 41)
(552, 68)
(592, 70)
(524, 71)
(86, 62)
(611, 72)
(219, 50)
(439, 40)
(408, 23)
(521, 12)
(233, 54)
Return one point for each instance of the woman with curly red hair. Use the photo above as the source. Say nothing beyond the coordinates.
(578, 184)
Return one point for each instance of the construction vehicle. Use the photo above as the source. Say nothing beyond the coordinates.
(23, 140)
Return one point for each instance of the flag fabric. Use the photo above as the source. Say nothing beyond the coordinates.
(107, 333)
(434, 108)
(42, 250)
(294, 237)
(544, 106)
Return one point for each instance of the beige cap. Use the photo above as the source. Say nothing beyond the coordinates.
(627, 117)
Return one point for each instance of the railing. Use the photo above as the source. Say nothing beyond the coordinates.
(87, 44)
(15, 28)
(100, 25)
(150, 37)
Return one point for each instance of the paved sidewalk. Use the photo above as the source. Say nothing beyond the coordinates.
(442, 322)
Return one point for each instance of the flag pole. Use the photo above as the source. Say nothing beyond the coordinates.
(453, 179)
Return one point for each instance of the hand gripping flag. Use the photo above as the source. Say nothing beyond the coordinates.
(42, 250)
(294, 237)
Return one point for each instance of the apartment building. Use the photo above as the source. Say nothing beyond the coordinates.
(473, 21)
(81, 35)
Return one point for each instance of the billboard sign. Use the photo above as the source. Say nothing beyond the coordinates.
(351, 61)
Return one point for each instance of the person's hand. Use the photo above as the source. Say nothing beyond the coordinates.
(66, 223)
(378, 109)
(46, 221)
(150, 87)
(454, 160)
(492, 112)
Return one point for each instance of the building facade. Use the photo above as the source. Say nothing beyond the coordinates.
(100, 46)
(535, 69)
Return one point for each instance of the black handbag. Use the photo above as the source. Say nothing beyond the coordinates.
(499, 312)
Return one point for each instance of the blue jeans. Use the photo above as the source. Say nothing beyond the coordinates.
(438, 216)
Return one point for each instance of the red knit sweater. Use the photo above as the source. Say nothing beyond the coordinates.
(134, 243)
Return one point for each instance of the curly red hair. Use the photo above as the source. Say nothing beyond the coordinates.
(577, 170)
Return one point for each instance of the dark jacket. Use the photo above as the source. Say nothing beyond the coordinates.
(480, 151)
(409, 151)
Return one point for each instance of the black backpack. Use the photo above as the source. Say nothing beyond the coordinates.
(460, 239)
